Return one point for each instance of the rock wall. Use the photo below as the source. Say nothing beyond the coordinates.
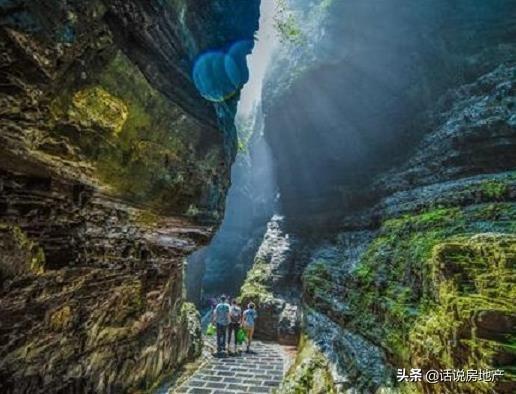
(250, 204)
(396, 176)
(374, 70)
(272, 284)
(429, 286)
(421, 279)
(113, 169)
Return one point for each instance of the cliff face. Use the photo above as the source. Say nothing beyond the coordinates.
(429, 284)
(272, 284)
(113, 169)
(250, 204)
(373, 76)
(396, 175)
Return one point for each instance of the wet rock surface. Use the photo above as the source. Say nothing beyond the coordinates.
(101, 285)
(385, 283)
(332, 359)
(381, 283)
(113, 169)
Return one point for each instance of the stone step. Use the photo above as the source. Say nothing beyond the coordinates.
(259, 371)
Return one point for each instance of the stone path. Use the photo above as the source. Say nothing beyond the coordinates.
(257, 372)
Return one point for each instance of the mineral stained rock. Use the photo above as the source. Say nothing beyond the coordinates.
(113, 169)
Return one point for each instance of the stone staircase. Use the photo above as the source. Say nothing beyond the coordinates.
(258, 372)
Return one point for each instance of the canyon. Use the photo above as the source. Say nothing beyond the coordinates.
(392, 244)
(113, 169)
(366, 202)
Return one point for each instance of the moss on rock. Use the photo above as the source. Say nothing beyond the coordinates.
(317, 281)
(95, 107)
(470, 321)
(309, 374)
(256, 287)
(62, 318)
(20, 254)
(494, 189)
(191, 319)
(428, 286)
(143, 146)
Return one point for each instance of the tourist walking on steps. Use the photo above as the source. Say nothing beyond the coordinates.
(235, 319)
(221, 320)
(248, 322)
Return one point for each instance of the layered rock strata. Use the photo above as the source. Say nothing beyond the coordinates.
(424, 276)
(396, 176)
(273, 285)
(113, 169)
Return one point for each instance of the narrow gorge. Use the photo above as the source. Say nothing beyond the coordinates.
(114, 168)
(349, 166)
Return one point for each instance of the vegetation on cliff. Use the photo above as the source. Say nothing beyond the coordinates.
(142, 145)
(20, 254)
(424, 283)
(310, 372)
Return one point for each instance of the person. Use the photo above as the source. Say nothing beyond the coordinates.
(248, 322)
(235, 319)
(221, 320)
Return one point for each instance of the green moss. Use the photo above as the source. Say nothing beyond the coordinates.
(37, 260)
(191, 319)
(309, 374)
(147, 218)
(394, 283)
(318, 281)
(62, 318)
(36, 257)
(20, 253)
(94, 107)
(435, 289)
(494, 189)
(147, 144)
(286, 24)
(468, 323)
(256, 285)
(143, 146)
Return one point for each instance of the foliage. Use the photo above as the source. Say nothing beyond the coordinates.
(245, 129)
(256, 287)
(494, 189)
(286, 24)
(317, 280)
